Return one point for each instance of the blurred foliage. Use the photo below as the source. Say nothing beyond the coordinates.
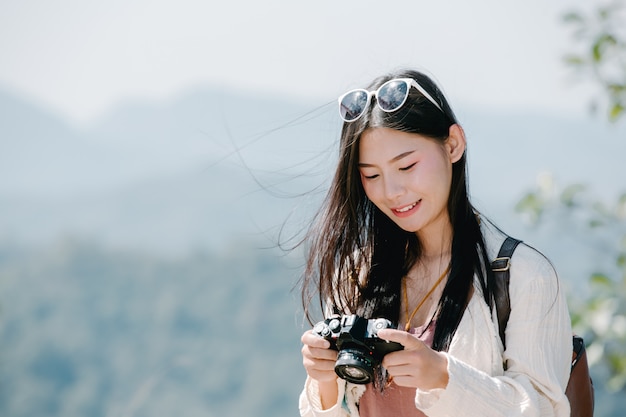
(599, 309)
(600, 36)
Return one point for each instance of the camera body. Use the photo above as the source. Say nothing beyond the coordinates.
(360, 348)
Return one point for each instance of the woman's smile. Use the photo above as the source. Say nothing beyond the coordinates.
(406, 210)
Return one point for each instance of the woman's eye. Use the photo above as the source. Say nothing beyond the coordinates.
(370, 177)
(408, 167)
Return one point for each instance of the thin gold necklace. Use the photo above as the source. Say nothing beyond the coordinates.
(428, 294)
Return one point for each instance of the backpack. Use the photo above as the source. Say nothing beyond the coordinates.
(579, 389)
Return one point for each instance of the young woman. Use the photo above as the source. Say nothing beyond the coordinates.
(398, 238)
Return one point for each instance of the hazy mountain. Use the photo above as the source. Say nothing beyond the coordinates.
(210, 164)
(43, 156)
(165, 177)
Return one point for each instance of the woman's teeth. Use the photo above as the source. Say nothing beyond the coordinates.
(407, 208)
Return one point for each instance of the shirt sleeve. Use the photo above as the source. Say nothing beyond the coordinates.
(310, 403)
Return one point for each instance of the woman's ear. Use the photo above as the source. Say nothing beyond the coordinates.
(455, 144)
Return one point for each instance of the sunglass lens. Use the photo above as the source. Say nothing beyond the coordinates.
(353, 105)
(392, 95)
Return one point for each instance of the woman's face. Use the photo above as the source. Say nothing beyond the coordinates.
(408, 176)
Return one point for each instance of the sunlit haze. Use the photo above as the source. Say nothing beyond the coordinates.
(79, 59)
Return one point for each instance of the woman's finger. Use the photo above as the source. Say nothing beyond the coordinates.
(409, 341)
(311, 339)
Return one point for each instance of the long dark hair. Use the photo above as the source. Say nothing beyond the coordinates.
(357, 256)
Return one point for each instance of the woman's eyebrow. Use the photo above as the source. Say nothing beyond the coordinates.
(394, 159)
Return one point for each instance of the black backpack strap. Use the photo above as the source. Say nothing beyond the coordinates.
(501, 270)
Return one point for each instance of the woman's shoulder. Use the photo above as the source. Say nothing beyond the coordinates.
(533, 279)
(526, 261)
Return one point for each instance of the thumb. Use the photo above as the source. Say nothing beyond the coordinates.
(409, 341)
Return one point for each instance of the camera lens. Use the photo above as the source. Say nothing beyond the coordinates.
(355, 365)
(354, 373)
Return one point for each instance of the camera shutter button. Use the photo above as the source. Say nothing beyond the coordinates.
(335, 325)
(380, 324)
(321, 329)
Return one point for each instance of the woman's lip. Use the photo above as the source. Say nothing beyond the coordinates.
(406, 210)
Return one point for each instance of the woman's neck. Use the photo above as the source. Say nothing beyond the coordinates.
(435, 243)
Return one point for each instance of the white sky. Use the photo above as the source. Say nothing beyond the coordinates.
(81, 57)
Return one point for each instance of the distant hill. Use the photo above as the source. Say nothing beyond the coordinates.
(211, 164)
(162, 177)
(41, 155)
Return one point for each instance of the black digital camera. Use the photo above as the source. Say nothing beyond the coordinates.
(360, 349)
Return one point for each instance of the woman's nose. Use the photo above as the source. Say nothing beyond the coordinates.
(393, 188)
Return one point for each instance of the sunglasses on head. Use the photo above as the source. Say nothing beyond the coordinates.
(390, 97)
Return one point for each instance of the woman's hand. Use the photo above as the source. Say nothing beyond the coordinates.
(317, 358)
(417, 366)
(319, 363)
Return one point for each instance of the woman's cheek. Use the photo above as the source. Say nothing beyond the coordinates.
(367, 187)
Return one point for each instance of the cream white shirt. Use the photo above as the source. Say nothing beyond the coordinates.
(537, 356)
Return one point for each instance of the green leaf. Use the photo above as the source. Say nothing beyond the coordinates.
(532, 206)
(604, 41)
(607, 39)
(604, 13)
(616, 88)
(616, 383)
(574, 60)
(616, 111)
(569, 194)
(571, 17)
(596, 51)
(593, 223)
(530, 202)
(601, 210)
(601, 280)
